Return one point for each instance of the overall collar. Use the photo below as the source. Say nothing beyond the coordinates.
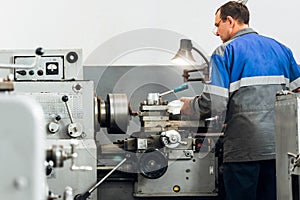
(243, 32)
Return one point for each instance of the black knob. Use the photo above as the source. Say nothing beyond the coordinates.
(84, 196)
(65, 98)
(39, 51)
(78, 197)
(31, 72)
(40, 72)
(58, 117)
(72, 57)
(49, 170)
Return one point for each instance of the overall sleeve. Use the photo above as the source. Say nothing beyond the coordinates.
(294, 72)
(213, 100)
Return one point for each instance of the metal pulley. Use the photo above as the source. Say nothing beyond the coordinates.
(153, 164)
(114, 113)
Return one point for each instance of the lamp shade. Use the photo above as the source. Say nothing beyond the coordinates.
(184, 54)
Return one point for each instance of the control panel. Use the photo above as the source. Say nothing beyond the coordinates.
(48, 68)
(68, 106)
(52, 65)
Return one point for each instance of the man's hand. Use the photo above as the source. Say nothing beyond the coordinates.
(186, 108)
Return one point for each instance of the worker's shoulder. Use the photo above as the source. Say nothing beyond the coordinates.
(273, 43)
(249, 39)
(237, 39)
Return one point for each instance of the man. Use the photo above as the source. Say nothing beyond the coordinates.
(246, 72)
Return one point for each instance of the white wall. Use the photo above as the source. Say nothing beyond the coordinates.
(119, 28)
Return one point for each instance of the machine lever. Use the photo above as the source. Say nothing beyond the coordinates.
(88, 193)
(74, 129)
(215, 118)
(38, 53)
(177, 89)
(65, 100)
(74, 155)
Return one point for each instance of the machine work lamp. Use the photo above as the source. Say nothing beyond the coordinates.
(184, 56)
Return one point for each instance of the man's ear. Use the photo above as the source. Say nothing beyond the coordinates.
(230, 19)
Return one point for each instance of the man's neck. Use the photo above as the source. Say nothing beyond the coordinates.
(238, 28)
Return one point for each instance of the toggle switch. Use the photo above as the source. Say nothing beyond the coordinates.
(22, 72)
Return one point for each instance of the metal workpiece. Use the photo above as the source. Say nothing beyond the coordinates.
(119, 113)
(114, 113)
